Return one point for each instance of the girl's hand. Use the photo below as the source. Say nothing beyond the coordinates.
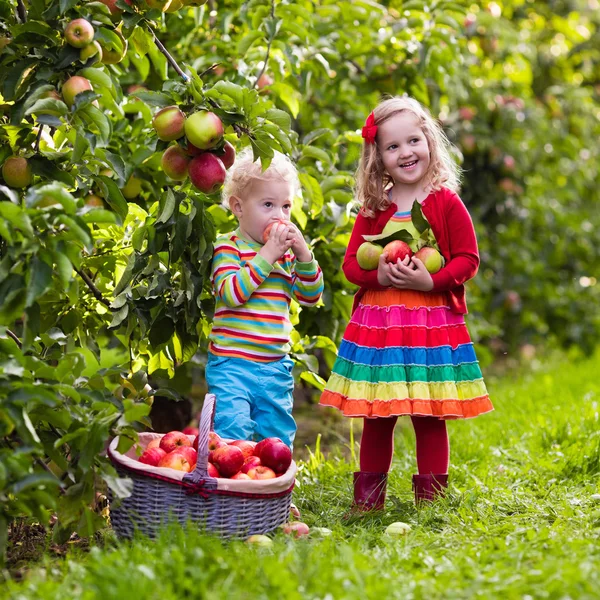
(281, 239)
(410, 275)
(300, 247)
(383, 271)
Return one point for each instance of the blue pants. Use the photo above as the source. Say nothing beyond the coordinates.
(254, 399)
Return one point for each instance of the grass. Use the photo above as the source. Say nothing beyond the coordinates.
(521, 520)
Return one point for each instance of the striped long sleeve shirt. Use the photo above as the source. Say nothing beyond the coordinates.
(252, 314)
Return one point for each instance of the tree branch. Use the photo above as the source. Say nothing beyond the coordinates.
(16, 340)
(36, 146)
(169, 58)
(213, 66)
(22, 11)
(268, 48)
(92, 286)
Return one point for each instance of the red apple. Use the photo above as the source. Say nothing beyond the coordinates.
(175, 460)
(212, 471)
(79, 33)
(228, 460)
(217, 444)
(263, 443)
(269, 227)
(397, 250)
(204, 129)
(73, 86)
(296, 529)
(207, 173)
(193, 151)
(276, 456)
(152, 456)
(250, 463)
(466, 113)
(175, 163)
(94, 201)
(195, 444)
(190, 455)
(261, 472)
(213, 438)
(169, 123)
(16, 172)
(263, 81)
(155, 443)
(112, 6)
(173, 440)
(241, 475)
(189, 430)
(431, 258)
(246, 446)
(227, 155)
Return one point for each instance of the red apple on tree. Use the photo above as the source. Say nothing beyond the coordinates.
(169, 123)
(204, 129)
(79, 33)
(227, 155)
(263, 81)
(207, 173)
(16, 172)
(397, 250)
(228, 460)
(73, 86)
(173, 440)
(152, 456)
(276, 456)
(175, 163)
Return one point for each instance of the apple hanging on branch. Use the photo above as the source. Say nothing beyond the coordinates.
(16, 172)
(79, 33)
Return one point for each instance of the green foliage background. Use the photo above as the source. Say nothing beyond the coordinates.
(88, 293)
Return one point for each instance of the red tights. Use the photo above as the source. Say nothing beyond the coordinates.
(377, 445)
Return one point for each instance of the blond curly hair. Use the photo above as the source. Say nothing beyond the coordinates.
(372, 180)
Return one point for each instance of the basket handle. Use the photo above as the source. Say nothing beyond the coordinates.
(205, 426)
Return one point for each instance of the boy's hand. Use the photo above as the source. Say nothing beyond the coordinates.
(410, 274)
(300, 247)
(281, 239)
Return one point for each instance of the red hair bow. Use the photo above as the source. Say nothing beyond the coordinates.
(369, 131)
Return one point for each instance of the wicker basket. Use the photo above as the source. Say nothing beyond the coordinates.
(226, 507)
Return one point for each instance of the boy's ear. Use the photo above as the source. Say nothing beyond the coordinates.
(235, 204)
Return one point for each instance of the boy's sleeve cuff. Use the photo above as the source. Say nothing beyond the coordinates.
(307, 268)
(262, 264)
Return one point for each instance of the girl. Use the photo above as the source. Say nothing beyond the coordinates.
(406, 350)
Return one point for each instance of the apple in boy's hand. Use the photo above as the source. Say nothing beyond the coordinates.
(267, 231)
(173, 440)
(368, 255)
(396, 251)
(431, 258)
(276, 456)
(152, 456)
(264, 443)
(228, 460)
(246, 446)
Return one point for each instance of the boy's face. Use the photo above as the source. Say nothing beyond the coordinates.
(264, 202)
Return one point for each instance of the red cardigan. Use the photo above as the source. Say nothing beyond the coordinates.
(453, 229)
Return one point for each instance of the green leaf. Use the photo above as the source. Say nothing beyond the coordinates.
(51, 195)
(34, 481)
(418, 218)
(248, 41)
(161, 331)
(169, 203)
(94, 116)
(279, 117)
(49, 106)
(127, 275)
(154, 98)
(16, 217)
(97, 77)
(289, 96)
(384, 239)
(113, 195)
(39, 279)
(47, 169)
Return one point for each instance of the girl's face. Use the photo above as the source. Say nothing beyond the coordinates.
(264, 202)
(404, 149)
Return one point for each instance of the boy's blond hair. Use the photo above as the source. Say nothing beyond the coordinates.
(245, 170)
(372, 181)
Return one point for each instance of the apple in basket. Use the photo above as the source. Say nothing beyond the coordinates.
(241, 475)
(173, 440)
(175, 460)
(155, 443)
(261, 472)
(212, 471)
(190, 455)
(264, 443)
(246, 446)
(152, 456)
(250, 463)
(276, 456)
(228, 460)
(189, 430)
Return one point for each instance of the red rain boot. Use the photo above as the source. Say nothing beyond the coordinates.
(428, 487)
(369, 492)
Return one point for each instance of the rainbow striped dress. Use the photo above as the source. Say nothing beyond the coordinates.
(405, 352)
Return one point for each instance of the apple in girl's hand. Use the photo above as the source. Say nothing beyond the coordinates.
(175, 460)
(261, 472)
(264, 443)
(368, 255)
(152, 456)
(189, 453)
(173, 440)
(241, 475)
(296, 529)
(276, 456)
(250, 463)
(155, 443)
(190, 430)
(246, 446)
(267, 231)
(396, 251)
(431, 258)
(212, 471)
(228, 460)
